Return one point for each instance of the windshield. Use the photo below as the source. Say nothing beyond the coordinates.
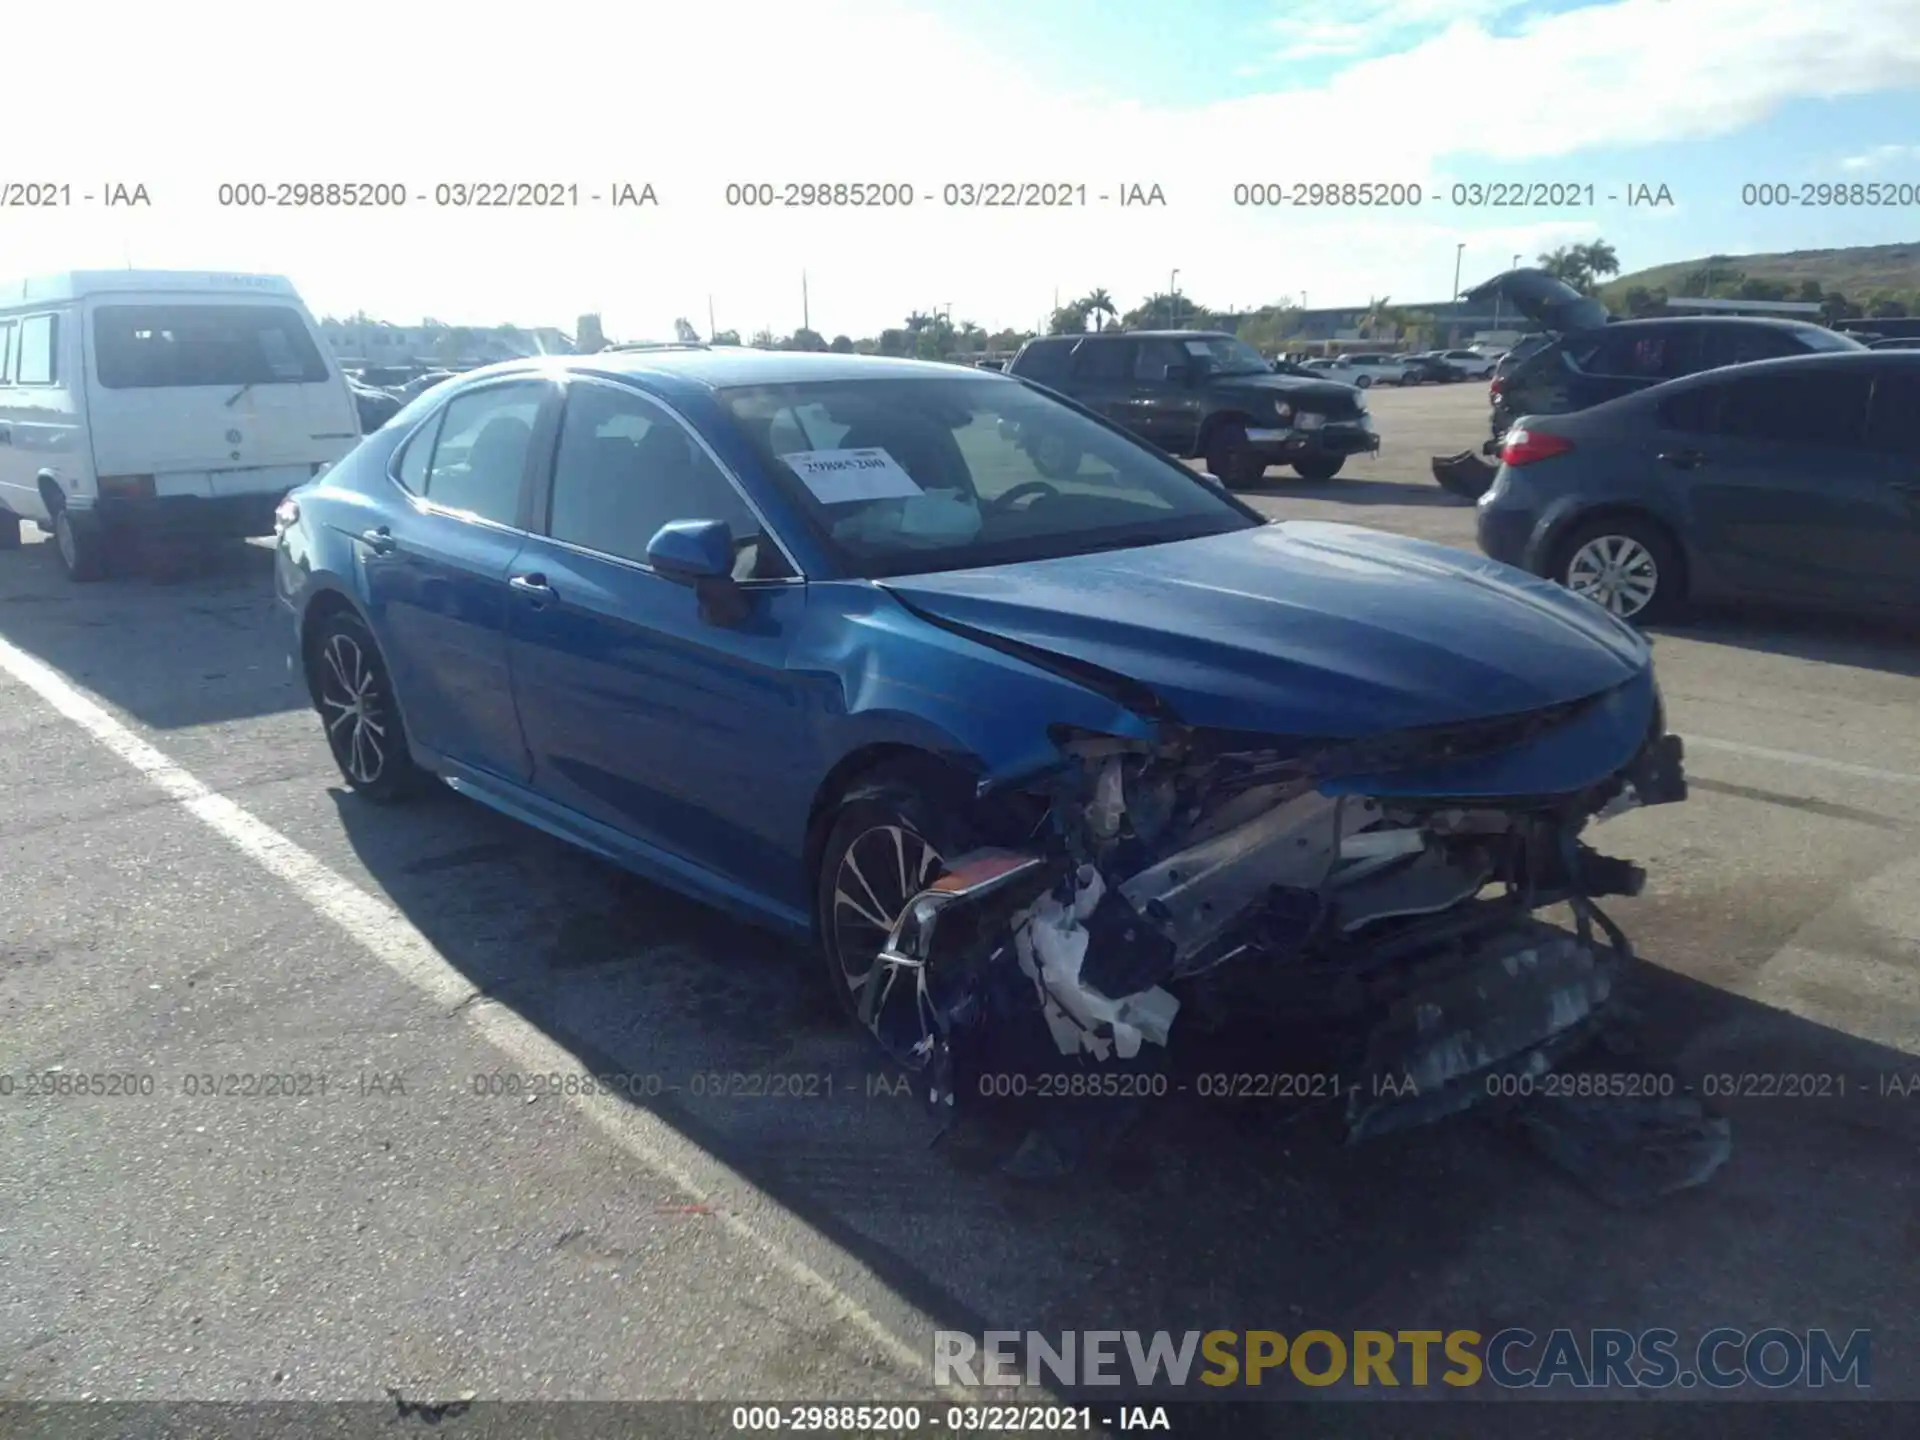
(904, 477)
(1225, 355)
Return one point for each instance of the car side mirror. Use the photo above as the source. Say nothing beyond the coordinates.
(699, 553)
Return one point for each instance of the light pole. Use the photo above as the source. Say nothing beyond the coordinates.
(1173, 296)
(1458, 251)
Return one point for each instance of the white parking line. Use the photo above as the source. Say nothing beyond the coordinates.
(386, 934)
(1794, 757)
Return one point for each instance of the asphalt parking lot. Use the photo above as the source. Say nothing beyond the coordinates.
(188, 891)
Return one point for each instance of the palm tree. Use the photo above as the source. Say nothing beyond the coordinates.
(1380, 315)
(1600, 259)
(916, 322)
(1099, 304)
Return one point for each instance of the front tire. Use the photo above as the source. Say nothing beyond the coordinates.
(1627, 565)
(1231, 458)
(890, 839)
(353, 692)
(1319, 467)
(1365, 382)
(83, 550)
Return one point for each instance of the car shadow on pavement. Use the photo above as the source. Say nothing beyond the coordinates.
(1887, 645)
(1209, 1215)
(188, 640)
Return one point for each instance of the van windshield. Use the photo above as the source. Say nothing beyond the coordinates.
(146, 347)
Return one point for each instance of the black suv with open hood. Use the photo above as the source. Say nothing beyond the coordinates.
(1587, 357)
(1203, 394)
(1591, 358)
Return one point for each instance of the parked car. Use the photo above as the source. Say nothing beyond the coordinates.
(1898, 342)
(1203, 395)
(1472, 364)
(422, 383)
(1428, 370)
(1787, 480)
(374, 406)
(141, 405)
(1365, 370)
(810, 638)
(1588, 357)
(1319, 365)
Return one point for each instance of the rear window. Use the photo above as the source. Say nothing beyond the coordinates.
(147, 347)
(1043, 360)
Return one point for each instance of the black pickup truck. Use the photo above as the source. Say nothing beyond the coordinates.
(1202, 394)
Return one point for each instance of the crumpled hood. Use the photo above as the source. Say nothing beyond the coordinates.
(1304, 628)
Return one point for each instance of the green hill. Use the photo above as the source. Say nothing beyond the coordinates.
(1857, 272)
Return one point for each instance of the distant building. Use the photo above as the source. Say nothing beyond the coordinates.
(378, 343)
(1784, 309)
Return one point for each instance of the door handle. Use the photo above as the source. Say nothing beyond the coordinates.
(380, 541)
(1684, 459)
(534, 587)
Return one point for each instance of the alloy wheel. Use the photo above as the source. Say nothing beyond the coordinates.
(1616, 572)
(353, 709)
(63, 537)
(884, 868)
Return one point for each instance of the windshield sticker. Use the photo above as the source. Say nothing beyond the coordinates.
(1199, 347)
(840, 477)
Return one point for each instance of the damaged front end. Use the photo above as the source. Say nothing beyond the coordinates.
(1387, 883)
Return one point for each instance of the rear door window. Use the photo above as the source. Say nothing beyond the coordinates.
(479, 461)
(1650, 354)
(1044, 360)
(1152, 357)
(1740, 344)
(1799, 406)
(1103, 360)
(148, 347)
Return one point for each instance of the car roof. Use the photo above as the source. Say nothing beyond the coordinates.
(727, 366)
(1143, 335)
(1742, 322)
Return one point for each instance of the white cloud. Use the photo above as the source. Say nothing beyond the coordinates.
(1881, 156)
(1315, 29)
(695, 97)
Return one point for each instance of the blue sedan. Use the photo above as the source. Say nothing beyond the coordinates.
(1026, 750)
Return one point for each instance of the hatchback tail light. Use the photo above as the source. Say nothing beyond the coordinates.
(1497, 387)
(1524, 447)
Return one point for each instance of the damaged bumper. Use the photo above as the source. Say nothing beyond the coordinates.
(1401, 875)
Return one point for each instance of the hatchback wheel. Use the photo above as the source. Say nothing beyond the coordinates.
(1626, 565)
(354, 695)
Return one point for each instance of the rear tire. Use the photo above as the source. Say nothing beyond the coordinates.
(353, 692)
(85, 552)
(1364, 382)
(1320, 467)
(1231, 459)
(1627, 564)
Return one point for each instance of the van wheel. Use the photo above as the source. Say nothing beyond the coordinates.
(83, 550)
(354, 695)
(9, 530)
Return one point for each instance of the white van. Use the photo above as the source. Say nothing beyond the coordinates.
(163, 403)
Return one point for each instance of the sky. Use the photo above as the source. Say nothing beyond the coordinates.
(1701, 97)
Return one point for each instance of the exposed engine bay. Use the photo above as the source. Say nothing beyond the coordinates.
(1165, 883)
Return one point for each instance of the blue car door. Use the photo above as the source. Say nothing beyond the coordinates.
(435, 576)
(686, 734)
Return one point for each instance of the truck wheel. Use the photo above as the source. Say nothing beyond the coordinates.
(9, 530)
(1231, 459)
(84, 551)
(1319, 467)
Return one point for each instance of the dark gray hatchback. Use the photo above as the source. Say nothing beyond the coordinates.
(1792, 480)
